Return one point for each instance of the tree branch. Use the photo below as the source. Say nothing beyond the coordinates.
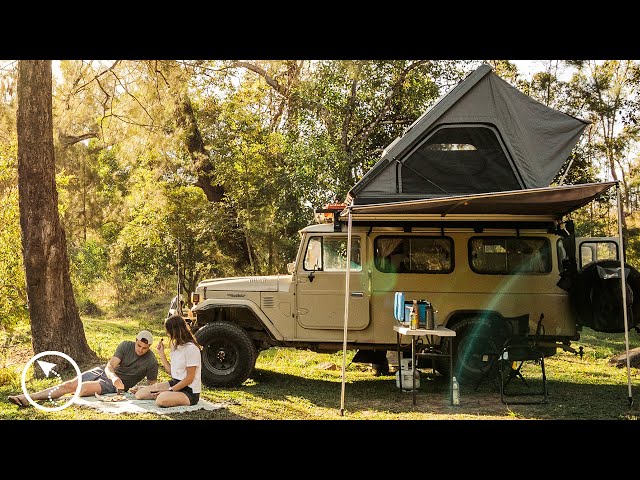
(313, 105)
(97, 76)
(68, 140)
(366, 130)
(125, 119)
(351, 105)
(263, 73)
(132, 96)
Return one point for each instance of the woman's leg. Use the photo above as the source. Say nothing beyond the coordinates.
(151, 391)
(172, 399)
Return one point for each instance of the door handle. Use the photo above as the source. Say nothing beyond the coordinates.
(357, 294)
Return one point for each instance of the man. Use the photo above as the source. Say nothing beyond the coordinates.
(131, 362)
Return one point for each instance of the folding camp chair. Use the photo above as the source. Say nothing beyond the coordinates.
(521, 349)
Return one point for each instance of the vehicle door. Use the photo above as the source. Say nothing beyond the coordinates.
(321, 283)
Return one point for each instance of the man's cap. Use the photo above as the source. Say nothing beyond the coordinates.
(145, 334)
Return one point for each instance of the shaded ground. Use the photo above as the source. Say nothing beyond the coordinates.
(296, 385)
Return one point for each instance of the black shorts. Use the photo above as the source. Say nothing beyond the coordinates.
(193, 397)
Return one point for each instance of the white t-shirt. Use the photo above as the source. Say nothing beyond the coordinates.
(187, 355)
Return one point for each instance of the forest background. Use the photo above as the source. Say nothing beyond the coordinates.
(230, 158)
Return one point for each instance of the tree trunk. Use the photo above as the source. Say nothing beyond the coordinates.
(55, 321)
(620, 360)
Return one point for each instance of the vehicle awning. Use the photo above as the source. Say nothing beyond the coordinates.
(547, 202)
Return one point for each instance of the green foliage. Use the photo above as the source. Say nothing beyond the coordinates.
(363, 106)
(13, 298)
(89, 265)
(112, 177)
(90, 262)
(198, 226)
(141, 254)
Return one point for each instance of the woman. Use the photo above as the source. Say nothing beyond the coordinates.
(184, 368)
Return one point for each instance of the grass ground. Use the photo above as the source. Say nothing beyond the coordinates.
(301, 385)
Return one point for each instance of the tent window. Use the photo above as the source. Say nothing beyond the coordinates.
(329, 254)
(459, 159)
(510, 255)
(450, 146)
(413, 254)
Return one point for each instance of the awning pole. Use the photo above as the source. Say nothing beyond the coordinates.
(346, 313)
(623, 284)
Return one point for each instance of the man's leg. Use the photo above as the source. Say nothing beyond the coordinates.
(90, 386)
(87, 389)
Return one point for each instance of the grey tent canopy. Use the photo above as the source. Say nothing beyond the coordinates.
(483, 136)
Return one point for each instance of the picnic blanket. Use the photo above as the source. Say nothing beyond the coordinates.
(131, 405)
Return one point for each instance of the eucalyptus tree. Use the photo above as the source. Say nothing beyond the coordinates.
(250, 131)
(55, 321)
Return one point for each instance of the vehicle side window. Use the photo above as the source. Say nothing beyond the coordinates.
(510, 255)
(313, 256)
(591, 251)
(562, 254)
(404, 254)
(329, 254)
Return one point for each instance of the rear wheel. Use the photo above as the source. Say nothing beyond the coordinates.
(476, 346)
(228, 354)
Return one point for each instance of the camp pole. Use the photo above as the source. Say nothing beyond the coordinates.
(623, 284)
(346, 314)
(179, 286)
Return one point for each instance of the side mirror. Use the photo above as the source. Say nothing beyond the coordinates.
(311, 275)
(291, 267)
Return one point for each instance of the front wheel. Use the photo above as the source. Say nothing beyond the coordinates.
(228, 354)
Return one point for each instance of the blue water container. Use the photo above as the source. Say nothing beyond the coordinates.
(398, 307)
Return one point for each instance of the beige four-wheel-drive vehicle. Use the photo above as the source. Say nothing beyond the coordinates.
(458, 212)
(474, 276)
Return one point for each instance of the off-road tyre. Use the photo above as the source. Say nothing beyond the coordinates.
(228, 354)
(476, 346)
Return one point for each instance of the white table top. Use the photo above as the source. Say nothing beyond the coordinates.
(439, 331)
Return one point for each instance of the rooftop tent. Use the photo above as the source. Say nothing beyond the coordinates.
(483, 136)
